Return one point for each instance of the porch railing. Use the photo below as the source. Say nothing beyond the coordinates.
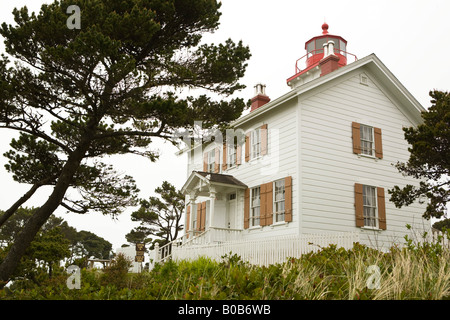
(268, 250)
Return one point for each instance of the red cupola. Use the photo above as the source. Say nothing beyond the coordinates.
(315, 47)
(324, 54)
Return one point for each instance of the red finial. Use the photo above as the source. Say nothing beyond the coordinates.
(325, 28)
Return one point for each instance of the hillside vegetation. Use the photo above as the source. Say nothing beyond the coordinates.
(417, 271)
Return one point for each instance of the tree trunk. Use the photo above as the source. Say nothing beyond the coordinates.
(42, 214)
(8, 213)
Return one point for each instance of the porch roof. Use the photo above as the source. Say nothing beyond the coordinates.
(199, 179)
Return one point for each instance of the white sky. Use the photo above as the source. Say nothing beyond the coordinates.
(410, 38)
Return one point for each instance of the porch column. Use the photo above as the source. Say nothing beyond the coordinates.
(193, 211)
(212, 199)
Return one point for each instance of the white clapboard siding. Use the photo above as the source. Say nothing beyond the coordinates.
(329, 168)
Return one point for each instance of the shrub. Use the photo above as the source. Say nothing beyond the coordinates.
(116, 274)
(330, 273)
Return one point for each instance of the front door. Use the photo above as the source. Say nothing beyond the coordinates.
(231, 212)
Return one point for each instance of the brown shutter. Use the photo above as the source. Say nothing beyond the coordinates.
(199, 217)
(246, 208)
(205, 162)
(264, 136)
(263, 205)
(203, 216)
(288, 199)
(238, 154)
(378, 143)
(359, 205)
(247, 147)
(381, 209)
(217, 160)
(356, 136)
(224, 158)
(188, 220)
(269, 203)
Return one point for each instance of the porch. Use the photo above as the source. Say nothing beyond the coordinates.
(214, 202)
(258, 252)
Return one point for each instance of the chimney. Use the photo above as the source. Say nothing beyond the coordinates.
(329, 63)
(260, 98)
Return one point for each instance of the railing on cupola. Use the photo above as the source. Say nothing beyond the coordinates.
(315, 50)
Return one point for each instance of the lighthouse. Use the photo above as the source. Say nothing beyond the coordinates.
(324, 54)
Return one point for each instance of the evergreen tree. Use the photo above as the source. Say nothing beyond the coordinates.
(429, 159)
(110, 87)
(159, 217)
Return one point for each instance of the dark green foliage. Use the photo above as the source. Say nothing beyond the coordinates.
(429, 159)
(116, 274)
(159, 216)
(330, 273)
(442, 225)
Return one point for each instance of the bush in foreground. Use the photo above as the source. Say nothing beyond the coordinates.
(414, 272)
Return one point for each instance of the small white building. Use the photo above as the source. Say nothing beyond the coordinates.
(316, 162)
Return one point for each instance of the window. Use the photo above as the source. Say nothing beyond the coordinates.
(194, 222)
(342, 48)
(370, 206)
(211, 160)
(255, 207)
(231, 155)
(256, 143)
(279, 197)
(367, 142)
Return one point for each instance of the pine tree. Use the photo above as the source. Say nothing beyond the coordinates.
(110, 86)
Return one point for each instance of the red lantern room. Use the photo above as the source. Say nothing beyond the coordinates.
(314, 47)
(324, 54)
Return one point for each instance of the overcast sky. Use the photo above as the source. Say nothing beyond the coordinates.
(410, 38)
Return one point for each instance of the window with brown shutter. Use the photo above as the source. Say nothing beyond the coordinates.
(205, 162)
(359, 205)
(378, 143)
(247, 147)
(217, 160)
(356, 135)
(256, 143)
(199, 217)
(279, 200)
(264, 138)
(370, 207)
(266, 204)
(247, 209)
(202, 216)
(255, 206)
(288, 199)
(381, 208)
(367, 140)
(224, 158)
(269, 204)
(188, 220)
(238, 154)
